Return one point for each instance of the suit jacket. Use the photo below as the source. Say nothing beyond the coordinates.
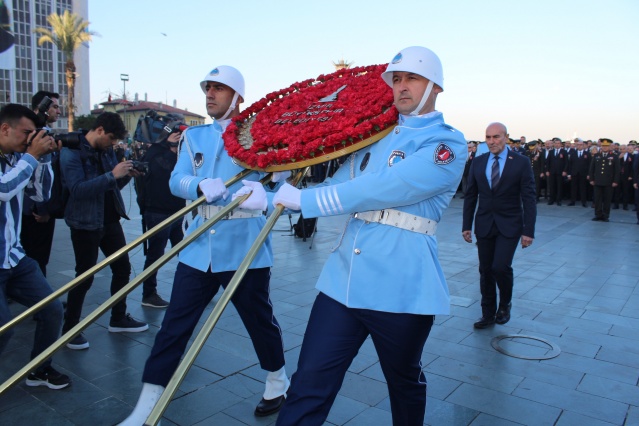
(579, 165)
(556, 164)
(511, 205)
(626, 167)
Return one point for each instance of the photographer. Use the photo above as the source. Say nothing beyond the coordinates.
(93, 213)
(20, 277)
(156, 204)
(38, 226)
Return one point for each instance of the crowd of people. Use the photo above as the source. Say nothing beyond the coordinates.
(395, 192)
(601, 174)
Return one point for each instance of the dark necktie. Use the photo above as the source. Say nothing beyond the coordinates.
(494, 174)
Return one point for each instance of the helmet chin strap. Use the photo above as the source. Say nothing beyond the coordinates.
(429, 89)
(232, 106)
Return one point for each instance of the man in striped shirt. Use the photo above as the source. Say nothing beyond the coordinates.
(21, 147)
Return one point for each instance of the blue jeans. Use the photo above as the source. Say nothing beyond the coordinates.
(25, 284)
(157, 244)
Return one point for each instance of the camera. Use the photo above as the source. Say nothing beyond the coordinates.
(43, 109)
(69, 140)
(140, 166)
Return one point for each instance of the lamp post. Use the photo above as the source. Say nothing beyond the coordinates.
(124, 78)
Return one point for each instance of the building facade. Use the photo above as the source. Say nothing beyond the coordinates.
(42, 67)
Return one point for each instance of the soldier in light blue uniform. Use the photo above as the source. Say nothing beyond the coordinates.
(210, 261)
(384, 278)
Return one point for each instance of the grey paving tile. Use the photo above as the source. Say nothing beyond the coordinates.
(354, 383)
(633, 416)
(27, 413)
(487, 420)
(197, 406)
(504, 406)
(474, 374)
(442, 413)
(568, 418)
(576, 401)
(344, 410)
(371, 417)
(596, 367)
(607, 341)
(221, 419)
(610, 389)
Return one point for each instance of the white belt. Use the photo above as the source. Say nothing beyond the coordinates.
(208, 212)
(399, 219)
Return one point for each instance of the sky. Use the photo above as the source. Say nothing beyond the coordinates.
(544, 68)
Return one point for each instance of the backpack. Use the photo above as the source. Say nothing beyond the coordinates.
(304, 228)
(153, 127)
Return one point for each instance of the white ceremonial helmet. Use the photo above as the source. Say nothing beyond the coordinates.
(229, 76)
(421, 61)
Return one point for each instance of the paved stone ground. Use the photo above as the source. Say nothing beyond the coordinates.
(576, 287)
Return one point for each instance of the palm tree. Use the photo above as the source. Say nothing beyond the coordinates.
(68, 31)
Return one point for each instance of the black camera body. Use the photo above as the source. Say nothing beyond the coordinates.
(140, 166)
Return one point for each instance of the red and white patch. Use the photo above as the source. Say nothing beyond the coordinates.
(443, 154)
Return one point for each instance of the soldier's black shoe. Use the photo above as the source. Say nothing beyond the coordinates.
(503, 314)
(559, 203)
(266, 407)
(550, 203)
(615, 207)
(484, 322)
(597, 218)
(571, 204)
(584, 204)
(605, 220)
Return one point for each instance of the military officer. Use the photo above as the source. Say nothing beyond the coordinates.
(604, 176)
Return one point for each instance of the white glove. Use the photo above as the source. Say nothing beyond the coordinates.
(288, 196)
(280, 176)
(213, 189)
(257, 200)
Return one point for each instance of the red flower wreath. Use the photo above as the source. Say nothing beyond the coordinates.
(312, 118)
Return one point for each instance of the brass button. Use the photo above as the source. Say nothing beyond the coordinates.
(357, 251)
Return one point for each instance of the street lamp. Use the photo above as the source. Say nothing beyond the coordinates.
(124, 78)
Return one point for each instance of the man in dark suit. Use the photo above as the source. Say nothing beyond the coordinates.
(556, 170)
(536, 155)
(471, 154)
(623, 193)
(578, 164)
(503, 183)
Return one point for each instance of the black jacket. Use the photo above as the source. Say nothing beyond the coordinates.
(154, 195)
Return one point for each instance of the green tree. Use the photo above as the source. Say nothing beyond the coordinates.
(68, 31)
(84, 121)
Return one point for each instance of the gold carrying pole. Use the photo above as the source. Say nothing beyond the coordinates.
(115, 256)
(215, 315)
(110, 302)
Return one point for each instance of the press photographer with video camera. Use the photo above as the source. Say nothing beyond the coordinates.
(94, 179)
(157, 203)
(38, 225)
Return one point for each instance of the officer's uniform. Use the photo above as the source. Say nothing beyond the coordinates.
(211, 260)
(384, 278)
(603, 172)
(537, 162)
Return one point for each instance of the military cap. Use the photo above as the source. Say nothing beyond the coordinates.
(632, 143)
(605, 141)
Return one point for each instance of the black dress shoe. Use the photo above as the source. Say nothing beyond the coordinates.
(615, 207)
(571, 204)
(484, 322)
(584, 204)
(596, 218)
(605, 220)
(503, 315)
(550, 203)
(266, 407)
(559, 204)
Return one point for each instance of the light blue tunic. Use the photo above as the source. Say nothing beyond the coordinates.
(415, 169)
(226, 248)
